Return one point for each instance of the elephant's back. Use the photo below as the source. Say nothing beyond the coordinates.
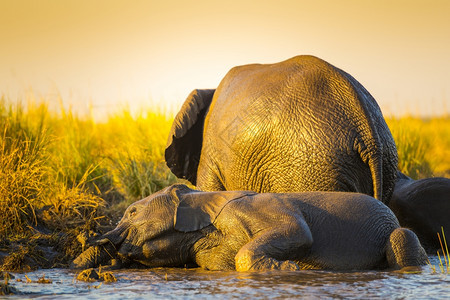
(348, 229)
(277, 127)
(265, 90)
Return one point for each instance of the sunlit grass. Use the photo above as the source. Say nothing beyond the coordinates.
(23, 169)
(75, 168)
(134, 152)
(443, 255)
(423, 146)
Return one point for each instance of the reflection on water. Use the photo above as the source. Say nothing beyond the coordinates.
(164, 283)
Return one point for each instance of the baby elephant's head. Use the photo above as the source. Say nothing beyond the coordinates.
(146, 232)
(161, 229)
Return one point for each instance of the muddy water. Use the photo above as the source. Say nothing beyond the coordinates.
(167, 283)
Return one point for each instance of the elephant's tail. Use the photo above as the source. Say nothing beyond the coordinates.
(371, 153)
(403, 249)
(376, 169)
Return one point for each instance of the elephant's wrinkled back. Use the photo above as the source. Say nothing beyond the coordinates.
(298, 125)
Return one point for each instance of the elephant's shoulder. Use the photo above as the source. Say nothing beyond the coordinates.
(243, 69)
(305, 60)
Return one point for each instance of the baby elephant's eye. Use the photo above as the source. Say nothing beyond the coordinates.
(132, 212)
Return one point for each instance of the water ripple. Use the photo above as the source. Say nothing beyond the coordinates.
(171, 283)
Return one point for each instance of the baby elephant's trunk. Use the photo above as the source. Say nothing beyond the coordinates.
(404, 250)
(94, 256)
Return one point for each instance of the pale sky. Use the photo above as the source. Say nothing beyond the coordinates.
(111, 52)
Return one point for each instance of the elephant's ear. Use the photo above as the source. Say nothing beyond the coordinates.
(197, 210)
(186, 136)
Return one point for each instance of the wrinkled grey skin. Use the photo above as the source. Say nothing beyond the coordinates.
(424, 206)
(298, 125)
(244, 231)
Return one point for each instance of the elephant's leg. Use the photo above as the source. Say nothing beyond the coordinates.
(272, 248)
(403, 249)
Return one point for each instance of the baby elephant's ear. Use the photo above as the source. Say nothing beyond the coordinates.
(199, 209)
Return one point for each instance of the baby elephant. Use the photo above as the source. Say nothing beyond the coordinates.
(243, 231)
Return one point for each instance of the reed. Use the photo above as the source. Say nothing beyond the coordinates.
(443, 256)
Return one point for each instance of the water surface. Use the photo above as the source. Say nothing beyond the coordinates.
(172, 283)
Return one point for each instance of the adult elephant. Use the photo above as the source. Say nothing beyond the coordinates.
(424, 206)
(298, 125)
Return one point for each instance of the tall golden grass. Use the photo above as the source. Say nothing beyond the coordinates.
(443, 265)
(65, 170)
(423, 145)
